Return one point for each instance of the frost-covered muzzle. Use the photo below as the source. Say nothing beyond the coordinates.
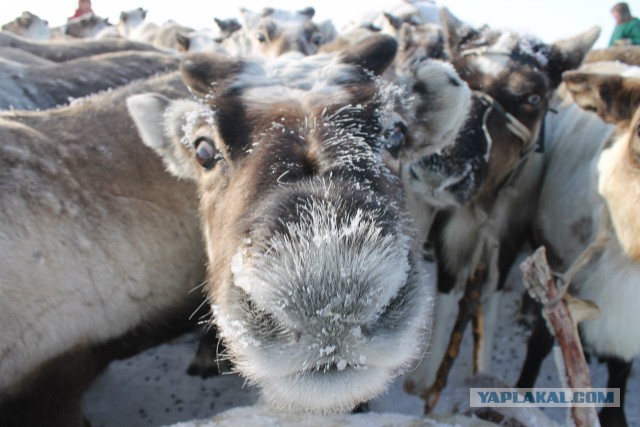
(328, 301)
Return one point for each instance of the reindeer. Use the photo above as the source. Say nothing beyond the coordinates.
(100, 251)
(208, 39)
(512, 77)
(628, 54)
(65, 50)
(28, 25)
(273, 32)
(86, 26)
(314, 281)
(391, 19)
(132, 22)
(589, 205)
(134, 26)
(27, 87)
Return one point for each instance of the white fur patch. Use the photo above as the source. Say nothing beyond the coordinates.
(373, 259)
(327, 282)
(569, 196)
(614, 285)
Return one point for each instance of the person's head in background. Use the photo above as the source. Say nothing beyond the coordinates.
(621, 13)
(84, 7)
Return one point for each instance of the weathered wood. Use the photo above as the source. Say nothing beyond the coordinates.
(557, 309)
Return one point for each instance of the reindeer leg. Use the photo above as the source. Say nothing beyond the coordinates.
(425, 373)
(467, 308)
(538, 348)
(488, 316)
(478, 343)
(207, 361)
(618, 375)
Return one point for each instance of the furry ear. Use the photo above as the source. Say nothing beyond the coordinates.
(229, 26)
(183, 41)
(159, 122)
(456, 32)
(201, 70)
(308, 12)
(393, 20)
(375, 53)
(569, 53)
(613, 97)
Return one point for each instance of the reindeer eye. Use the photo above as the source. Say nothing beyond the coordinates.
(638, 130)
(261, 38)
(534, 99)
(317, 39)
(205, 152)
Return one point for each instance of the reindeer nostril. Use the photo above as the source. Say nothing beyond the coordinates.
(455, 82)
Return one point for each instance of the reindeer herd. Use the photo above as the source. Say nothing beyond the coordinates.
(289, 183)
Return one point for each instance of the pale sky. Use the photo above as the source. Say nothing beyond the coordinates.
(549, 20)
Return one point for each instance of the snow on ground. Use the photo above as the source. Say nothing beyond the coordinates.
(258, 416)
(153, 389)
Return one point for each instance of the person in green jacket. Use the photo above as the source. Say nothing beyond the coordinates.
(627, 30)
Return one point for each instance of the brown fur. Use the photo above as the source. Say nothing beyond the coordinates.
(30, 88)
(616, 99)
(26, 24)
(627, 54)
(64, 50)
(83, 199)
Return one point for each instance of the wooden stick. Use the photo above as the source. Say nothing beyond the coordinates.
(557, 309)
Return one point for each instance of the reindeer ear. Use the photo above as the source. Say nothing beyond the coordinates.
(568, 54)
(375, 53)
(183, 40)
(611, 96)
(160, 124)
(456, 32)
(393, 20)
(200, 71)
(592, 92)
(228, 25)
(308, 12)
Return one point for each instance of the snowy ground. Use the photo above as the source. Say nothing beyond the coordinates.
(152, 389)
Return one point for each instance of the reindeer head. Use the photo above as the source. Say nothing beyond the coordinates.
(314, 280)
(513, 76)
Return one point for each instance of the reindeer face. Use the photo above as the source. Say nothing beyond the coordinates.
(314, 282)
(514, 75)
(275, 32)
(86, 26)
(30, 26)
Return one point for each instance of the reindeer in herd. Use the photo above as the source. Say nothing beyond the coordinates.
(323, 166)
(588, 199)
